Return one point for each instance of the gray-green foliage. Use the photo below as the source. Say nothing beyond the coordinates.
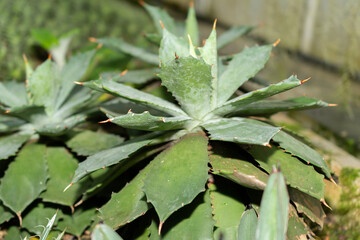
(210, 130)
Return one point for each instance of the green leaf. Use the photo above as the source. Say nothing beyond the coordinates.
(301, 150)
(37, 218)
(13, 233)
(274, 210)
(11, 94)
(165, 185)
(297, 228)
(158, 14)
(128, 204)
(239, 171)
(172, 46)
(192, 28)
(77, 222)
(297, 174)
(135, 95)
(104, 232)
(44, 37)
(227, 209)
(110, 157)
(232, 34)
(242, 67)
(209, 54)
(146, 121)
(9, 145)
(73, 71)
(193, 221)
(132, 76)
(43, 86)
(240, 131)
(189, 80)
(247, 226)
(267, 107)
(308, 205)
(88, 142)
(153, 38)
(61, 170)
(50, 128)
(8, 124)
(5, 213)
(257, 95)
(25, 178)
(122, 46)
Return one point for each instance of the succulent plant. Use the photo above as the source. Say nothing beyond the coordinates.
(218, 153)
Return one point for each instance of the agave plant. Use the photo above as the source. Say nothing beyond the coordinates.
(218, 156)
(40, 115)
(180, 29)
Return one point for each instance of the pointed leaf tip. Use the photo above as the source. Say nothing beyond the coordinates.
(99, 46)
(176, 56)
(68, 186)
(189, 37)
(305, 80)
(141, 2)
(276, 43)
(106, 121)
(49, 57)
(214, 26)
(7, 111)
(160, 227)
(78, 83)
(333, 105)
(25, 59)
(162, 25)
(123, 72)
(191, 4)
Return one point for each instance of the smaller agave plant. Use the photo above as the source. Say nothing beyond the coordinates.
(38, 115)
(217, 157)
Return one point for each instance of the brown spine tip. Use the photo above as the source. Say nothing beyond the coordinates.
(129, 111)
(20, 218)
(332, 180)
(214, 26)
(78, 83)
(78, 203)
(276, 43)
(333, 105)
(25, 59)
(162, 25)
(325, 203)
(141, 2)
(7, 111)
(191, 4)
(49, 57)
(160, 227)
(68, 186)
(267, 145)
(99, 46)
(261, 24)
(305, 80)
(176, 56)
(92, 39)
(189, 37)
(123, 72)
(106, 121)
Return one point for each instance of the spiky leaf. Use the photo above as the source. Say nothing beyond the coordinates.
(104, 232)
(247, 226)
(146, 121)
(109, 157)
(297, 228)
(88, 143)
(297, 174)
(227, 209)
(240, 131)
(189, 80)
(165, 185)
(158, 14)
(128, 204)
(61, 169)
(232, 34)
(191, 222)
(132, 76)
(25, 178)
(37, 218)
(256, 95)
(77, 222)
(308, 205)
(192, 28)
(135, 95)
(242, 67)
(268, 107)
(10, 144)
(274, 210)
(240, 171)
(122, 46)
(299, 149)
(11, 94)
(170, 46)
